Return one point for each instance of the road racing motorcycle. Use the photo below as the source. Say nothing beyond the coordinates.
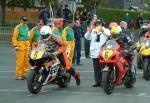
(115, 67)
(145, 58)
(46, 69)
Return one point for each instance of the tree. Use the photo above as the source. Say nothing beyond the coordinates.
(2, 6)
(147, 4)
(93, 3)
(12, 3)
(24, 4)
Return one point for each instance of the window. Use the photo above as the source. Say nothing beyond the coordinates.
(129, 1)
(78, 1)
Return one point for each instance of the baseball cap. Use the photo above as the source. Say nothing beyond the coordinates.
(24, 18)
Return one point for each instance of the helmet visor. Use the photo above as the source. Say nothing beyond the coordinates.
(45, 36)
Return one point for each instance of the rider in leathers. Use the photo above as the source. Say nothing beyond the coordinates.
(126, 43)
(56, 45)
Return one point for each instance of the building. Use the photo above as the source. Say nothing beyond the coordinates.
(125, 4)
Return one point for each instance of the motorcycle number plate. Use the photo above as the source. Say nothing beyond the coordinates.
(53, 71)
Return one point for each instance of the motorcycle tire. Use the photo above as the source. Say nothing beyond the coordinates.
(106, 84)
(146, 71)
(31, 82)
(129, 83)
(64, 82)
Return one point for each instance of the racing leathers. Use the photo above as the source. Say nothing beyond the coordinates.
(124, 40)
(57, 47)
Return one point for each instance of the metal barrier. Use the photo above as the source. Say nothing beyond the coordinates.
(6, 34)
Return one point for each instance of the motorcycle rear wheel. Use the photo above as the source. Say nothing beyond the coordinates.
(107, 82)
(146, 70)
(129, 82)
(32, 82)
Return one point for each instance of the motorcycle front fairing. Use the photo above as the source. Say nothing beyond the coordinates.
(39, 54)
(145, 50)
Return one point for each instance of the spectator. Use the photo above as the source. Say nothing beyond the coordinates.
(35, 33)
(78, 35)
(84, 19)
(77, 15)
(89, 18)
(44, 15)
(132, 26)
(59, 13)
(127, 19)
(67, 13)
(139, 21)
(84, 15)
(124, 27)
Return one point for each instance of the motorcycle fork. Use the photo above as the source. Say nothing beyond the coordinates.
(41, 74)
(107, 68)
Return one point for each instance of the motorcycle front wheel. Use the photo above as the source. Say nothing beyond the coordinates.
(107, 82)
(32, 82)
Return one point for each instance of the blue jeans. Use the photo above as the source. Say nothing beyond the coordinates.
(77, 52)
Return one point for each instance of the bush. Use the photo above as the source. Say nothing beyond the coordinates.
(117, 15)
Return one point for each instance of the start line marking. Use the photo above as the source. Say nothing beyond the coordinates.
(78, 71)
(143, 95)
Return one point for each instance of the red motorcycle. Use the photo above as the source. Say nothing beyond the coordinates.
(115, 67)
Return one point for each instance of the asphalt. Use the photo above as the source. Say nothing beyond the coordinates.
(13, 91)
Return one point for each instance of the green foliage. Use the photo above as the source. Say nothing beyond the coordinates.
(89, 3)
(117, 15)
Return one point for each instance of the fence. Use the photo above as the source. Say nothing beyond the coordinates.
(6, 34)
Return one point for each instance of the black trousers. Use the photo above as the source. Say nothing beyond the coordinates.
(97, 71)
(87, 47)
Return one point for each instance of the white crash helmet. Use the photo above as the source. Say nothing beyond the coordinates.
(144, 26)
(45, 32)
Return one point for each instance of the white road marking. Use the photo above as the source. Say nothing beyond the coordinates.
(12, 90)
(3, 71)
(144, 95)
(7, 71)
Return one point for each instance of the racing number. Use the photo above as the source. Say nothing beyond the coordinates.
(106, 55)
(35, 55)
(53, 70)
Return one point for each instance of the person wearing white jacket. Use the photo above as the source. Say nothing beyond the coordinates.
(98, 36)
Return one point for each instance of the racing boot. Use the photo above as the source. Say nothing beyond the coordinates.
(75, 75)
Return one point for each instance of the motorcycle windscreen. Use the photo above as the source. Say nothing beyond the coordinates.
(38, 52)
(109, 48)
